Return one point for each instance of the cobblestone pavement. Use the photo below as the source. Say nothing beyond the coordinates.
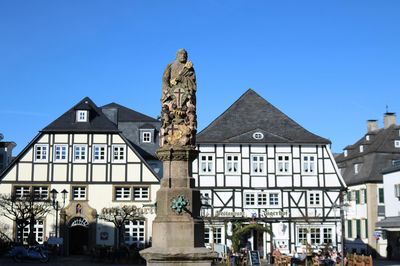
(82, 261)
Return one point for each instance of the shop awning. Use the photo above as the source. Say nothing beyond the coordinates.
(390, 223)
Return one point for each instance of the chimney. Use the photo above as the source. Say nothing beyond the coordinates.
(389, 119)
(372, 125)
(112, 114)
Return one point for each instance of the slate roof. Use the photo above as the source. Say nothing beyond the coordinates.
(98, 122)
(251, 113)
(378, 154)
(129, 115)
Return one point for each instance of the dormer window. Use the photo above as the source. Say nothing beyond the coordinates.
(397, 143)
(345, 153)
(146, 136)
(367, 138)
(361, 148)
(81, 116)
(258, 135)
(356, 168)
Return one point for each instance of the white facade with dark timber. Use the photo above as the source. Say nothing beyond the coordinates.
(258, 165)
(86, 154)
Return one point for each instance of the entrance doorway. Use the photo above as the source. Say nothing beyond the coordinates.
(78, 236)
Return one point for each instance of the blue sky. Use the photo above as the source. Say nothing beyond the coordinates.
(329, 65)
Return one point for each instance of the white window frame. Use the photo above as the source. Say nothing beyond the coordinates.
(141, 193)
(258, 167)
(81, 116)
(275, 201)
(96, 154)
(146, 137)
(41, 153)
(79, 193)
(283, 166)
(118, 154)
(262, 199)
(356, 168)
(82, 154)
(230, 164)
(397, 143)
(38, 231)
(313, 196)
(207, 164)
(345, 153)
(250, 199)
(21, 191)
(135, 232)
(361, 148)
(60, 153)
(40, 192)
(309, 165)
(125, 194)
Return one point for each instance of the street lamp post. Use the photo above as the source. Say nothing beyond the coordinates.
(55, 204)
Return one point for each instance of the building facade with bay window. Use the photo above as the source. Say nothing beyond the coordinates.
(85, 156)
(256, 165)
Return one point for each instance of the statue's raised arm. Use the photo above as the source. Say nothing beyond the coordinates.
(178, 100)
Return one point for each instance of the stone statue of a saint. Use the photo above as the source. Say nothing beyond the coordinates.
(178, 100)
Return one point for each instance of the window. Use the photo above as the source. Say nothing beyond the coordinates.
(206, 163)
(367, 138)
(345, 153)
(357, 196)
(349, 229)
(99, 153)
(327, 235)
(358, 228)
(118, 153)
(79, 193)
(232, 164)
(146, 137)
(217, 234)
(41, 153)
(273, 199)
(363, 196)
(366, 227)
(262, 199)
(81, 116)
(361, 148)
(207, 235)
(60, 153)
(302, 235)
(308, 164)
(80, 152)
(356, 168)
(397, 191)
(38, 232)
(397, 143)
(258, 135)
(349, 198)
(41, 193)
(283, 164)
(21, 192)
(122, 193)
(250, 199)
(140, 193)
(258, 164)
(135, 233)
(314, 198)
(381, 196)
(315, 235)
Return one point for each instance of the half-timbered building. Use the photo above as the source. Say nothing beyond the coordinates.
(258, 165)
(87, 157)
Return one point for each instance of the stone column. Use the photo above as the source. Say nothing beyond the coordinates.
(178, 230)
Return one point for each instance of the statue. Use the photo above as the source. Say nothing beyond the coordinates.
(178, 101)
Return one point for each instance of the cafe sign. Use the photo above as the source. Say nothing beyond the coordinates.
(274, 213)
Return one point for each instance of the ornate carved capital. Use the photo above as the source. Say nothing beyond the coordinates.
(168, 153)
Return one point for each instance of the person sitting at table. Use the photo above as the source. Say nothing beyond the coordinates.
(275, 255)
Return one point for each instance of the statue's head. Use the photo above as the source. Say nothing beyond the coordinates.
(181, 55)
